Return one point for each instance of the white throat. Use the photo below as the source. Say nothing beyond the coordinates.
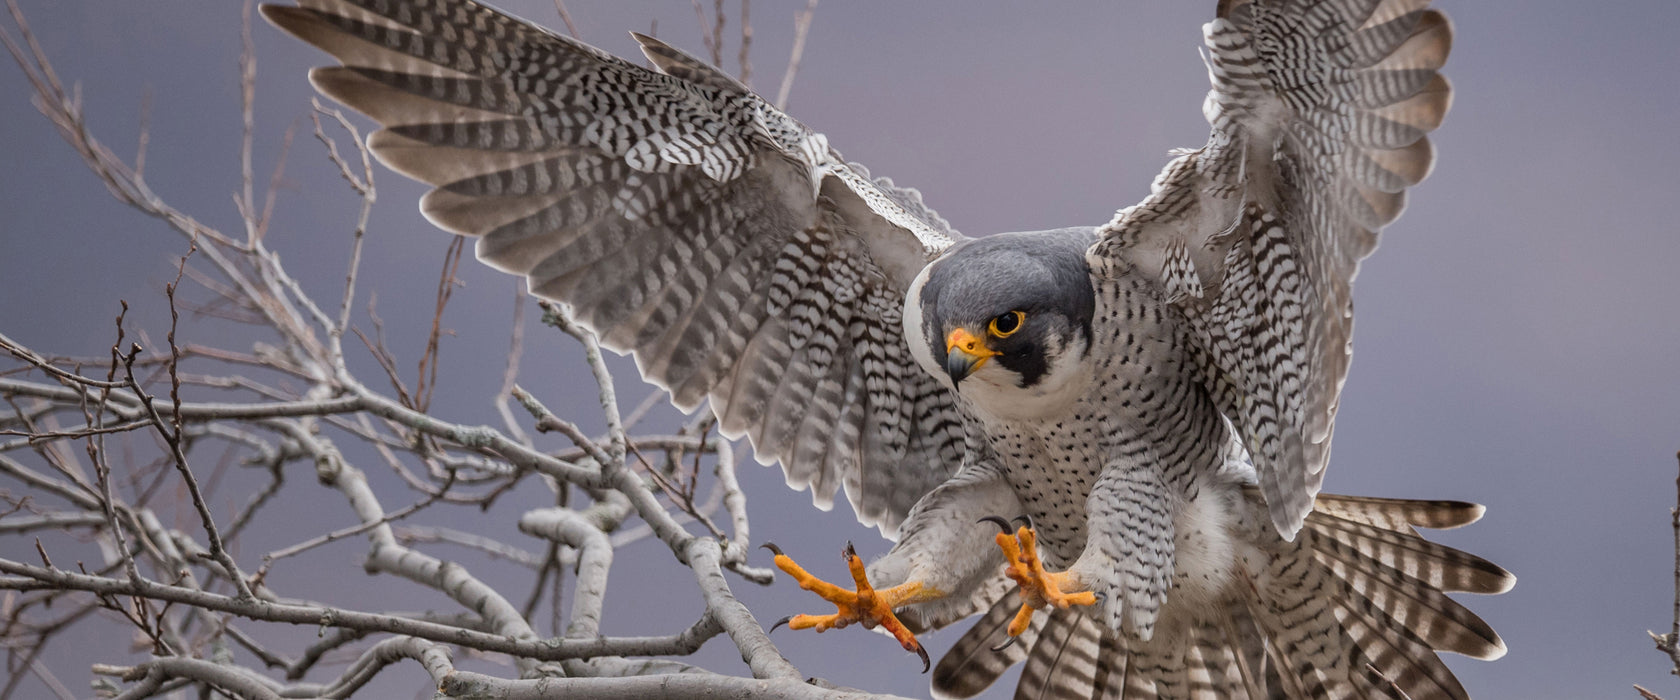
(997, 396)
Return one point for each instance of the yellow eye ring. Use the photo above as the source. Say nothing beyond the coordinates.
(1007, 324)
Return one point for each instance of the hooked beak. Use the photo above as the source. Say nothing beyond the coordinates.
(964, 354)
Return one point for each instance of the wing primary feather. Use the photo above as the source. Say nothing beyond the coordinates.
(658, 206)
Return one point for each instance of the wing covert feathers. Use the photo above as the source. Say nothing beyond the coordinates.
(679, 216)
(1351, 608)
(1320, 115)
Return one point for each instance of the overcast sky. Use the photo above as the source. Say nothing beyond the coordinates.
(1517, 340)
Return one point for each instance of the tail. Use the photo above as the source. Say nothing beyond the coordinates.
(1355, 607)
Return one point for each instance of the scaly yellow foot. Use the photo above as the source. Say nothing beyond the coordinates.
(1040, 589)
(866, 606)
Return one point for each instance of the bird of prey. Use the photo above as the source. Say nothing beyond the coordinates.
(1143, 409)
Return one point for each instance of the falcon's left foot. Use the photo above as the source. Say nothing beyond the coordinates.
(1040, 589)
(866, 605)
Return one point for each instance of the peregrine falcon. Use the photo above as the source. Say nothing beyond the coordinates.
(1143, 409)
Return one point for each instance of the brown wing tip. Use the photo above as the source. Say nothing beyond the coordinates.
(350, 88)
(652, 45)
(1445, 515)
(309, 26)
(288, 18)
(1493, 650)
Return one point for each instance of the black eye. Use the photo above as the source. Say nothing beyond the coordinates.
(1005, 325)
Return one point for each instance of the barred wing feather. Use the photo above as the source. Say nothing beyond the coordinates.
(681, 217)
(1320, 114)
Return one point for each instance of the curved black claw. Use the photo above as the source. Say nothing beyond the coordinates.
(773, 548)
(849, 551)
(1000, 522)
(926, 664)
(1006, 644)
(779, 623)
(1024, 518)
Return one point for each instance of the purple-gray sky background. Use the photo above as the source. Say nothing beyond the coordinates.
(1518, 340)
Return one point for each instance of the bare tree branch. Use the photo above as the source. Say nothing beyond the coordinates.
(801, 28)
(103, 480)
(566, 17)
(746, 43)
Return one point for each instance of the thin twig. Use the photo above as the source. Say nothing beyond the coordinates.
(547, 422)
(746, 43)
(707, 37)
(548, 566)
(360, 185)
(801, 28)
(674, 492)
(206, 520)
(48, 679)
(654, 398)
(496, 549)
(145, 135)
(510, 371)
(554, 315)
(96, 453)
(429, 361)
(341, 533)
(247, 125)
(364, 187)
(717, 32)
(571, 27)
(272, 193)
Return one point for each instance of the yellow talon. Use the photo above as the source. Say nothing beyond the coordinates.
(866, 606)
(1039, 589)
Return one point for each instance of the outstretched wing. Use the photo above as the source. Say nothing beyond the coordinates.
(681, 217)
(1320, 111)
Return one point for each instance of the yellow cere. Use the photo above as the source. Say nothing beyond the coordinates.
(960, 340)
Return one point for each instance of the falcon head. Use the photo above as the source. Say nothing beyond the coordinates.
(1005, 318)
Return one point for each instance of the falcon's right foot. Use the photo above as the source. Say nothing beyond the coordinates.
(866, 606)
(1039, 589)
